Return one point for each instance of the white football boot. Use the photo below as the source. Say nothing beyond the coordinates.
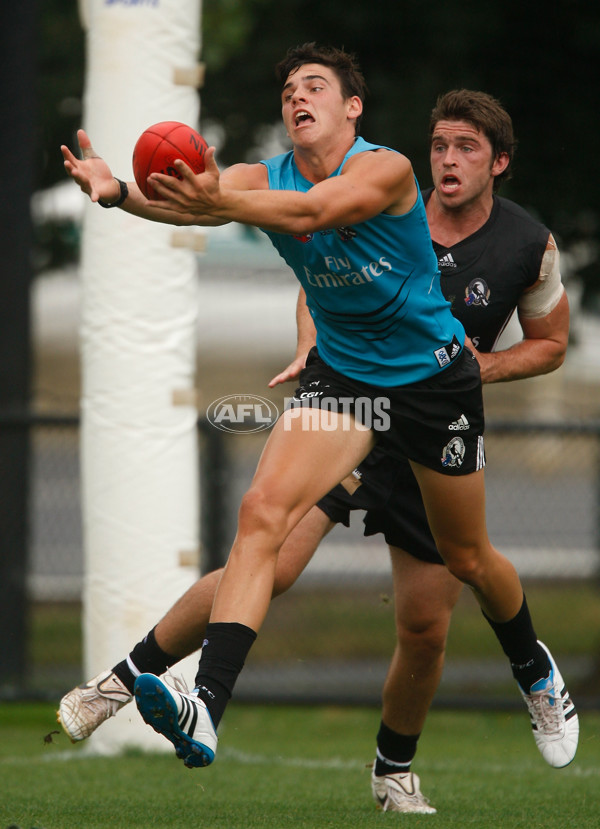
(86, 707)
(400, 793)
(553, 716)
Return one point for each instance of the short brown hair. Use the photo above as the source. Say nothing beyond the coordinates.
(344, 64)
(486, 114)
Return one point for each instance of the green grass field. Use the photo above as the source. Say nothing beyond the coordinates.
(282, 767)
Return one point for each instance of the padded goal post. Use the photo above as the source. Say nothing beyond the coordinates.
(140, 496)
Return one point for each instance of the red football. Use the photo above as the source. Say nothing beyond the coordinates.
(157, 148)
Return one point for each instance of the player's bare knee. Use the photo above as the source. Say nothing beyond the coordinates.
(259, 514)
(466, 567)
(428, 637)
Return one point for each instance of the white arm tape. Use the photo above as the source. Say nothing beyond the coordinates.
(548, 290)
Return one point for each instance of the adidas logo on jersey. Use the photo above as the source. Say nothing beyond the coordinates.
(447, 261)
(460, 425)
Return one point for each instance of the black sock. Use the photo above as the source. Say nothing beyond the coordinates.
(394, 751)
(146, 658)
(224, 652)
(528, 660)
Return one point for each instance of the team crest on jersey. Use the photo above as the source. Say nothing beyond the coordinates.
(453, 452)
(477, 292)
(346, 234)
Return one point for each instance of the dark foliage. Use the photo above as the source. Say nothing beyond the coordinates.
(539, 59)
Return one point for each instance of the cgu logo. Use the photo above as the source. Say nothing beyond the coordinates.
(242, 413)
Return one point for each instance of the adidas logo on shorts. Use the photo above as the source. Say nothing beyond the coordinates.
(460, 425)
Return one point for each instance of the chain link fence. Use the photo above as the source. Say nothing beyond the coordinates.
(331, 636)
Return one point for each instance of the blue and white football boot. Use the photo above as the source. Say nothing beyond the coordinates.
(182, 718)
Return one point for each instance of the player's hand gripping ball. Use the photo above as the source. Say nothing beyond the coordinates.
(157, 148)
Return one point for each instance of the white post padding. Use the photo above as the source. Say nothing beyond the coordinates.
(139, 299)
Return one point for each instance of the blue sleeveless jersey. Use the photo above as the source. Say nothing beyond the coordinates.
(373, 289)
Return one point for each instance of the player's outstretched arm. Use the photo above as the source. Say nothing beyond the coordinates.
(370, 183)
(95, 178)
(90, 172)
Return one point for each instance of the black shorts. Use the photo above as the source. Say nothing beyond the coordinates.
(390, 495)
(436, 422)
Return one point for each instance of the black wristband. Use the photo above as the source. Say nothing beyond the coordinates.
(122, 197)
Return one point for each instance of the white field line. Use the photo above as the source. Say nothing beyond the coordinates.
(320, 764)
